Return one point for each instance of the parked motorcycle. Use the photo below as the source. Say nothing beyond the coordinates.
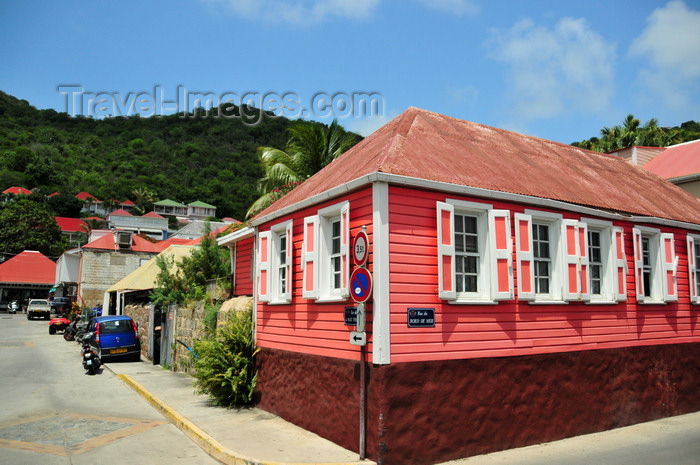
(91, 361)
(72, 328)
(13, 307)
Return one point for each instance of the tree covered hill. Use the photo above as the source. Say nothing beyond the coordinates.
(212, 159)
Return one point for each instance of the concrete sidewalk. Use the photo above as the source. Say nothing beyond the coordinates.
(255, 437)
(247, 436)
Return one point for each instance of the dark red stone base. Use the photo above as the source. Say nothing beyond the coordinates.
(424, 413)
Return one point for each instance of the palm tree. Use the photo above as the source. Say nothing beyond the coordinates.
(310, 147)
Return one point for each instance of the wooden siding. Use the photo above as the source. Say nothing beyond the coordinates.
(512, 327)
(304, 325)
(244, 267)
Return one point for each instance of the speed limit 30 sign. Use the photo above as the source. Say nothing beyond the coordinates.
(360, 248)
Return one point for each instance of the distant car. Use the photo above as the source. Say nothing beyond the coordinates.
(38, 308)
(115, 336)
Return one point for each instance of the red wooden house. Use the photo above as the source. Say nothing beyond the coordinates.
(558, 290)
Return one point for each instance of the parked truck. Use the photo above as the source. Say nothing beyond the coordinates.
(38, 308)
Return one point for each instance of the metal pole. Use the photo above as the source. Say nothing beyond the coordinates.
(363, 403)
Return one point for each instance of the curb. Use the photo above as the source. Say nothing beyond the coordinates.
(207, 443)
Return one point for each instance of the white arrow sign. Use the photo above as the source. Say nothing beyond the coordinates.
(358, 338)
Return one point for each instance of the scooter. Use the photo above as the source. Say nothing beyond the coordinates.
(91, 361)
(72, 328)
(14, 306)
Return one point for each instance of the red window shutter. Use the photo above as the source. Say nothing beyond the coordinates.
(692, 270)
(525, 256)
(345, 249)
(669, 262)
(501, 246)
(620, 264)
(572, 277)
(264, 252)
(583, 260)
(287, 293)
(446, 251)
(638, 264)
(309, 258)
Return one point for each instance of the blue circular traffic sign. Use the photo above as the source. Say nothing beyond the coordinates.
(360, 285)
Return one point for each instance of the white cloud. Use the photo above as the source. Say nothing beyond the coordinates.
(671, 43)
(454, 7)
(300, 12)
(555, 71)
(308, 12)
(368, 124)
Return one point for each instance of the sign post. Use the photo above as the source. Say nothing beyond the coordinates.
(360, 290)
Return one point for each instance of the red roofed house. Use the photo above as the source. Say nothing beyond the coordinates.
(679, 164)
(102, 262)
(521, 291)
(29, 274)
(75, 229)
(91, 204)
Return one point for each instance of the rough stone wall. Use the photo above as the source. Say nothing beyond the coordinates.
(189, 327)
(100, 270)
(424, 413)
(141, 315)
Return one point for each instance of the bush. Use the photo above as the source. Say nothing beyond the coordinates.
(224, 367)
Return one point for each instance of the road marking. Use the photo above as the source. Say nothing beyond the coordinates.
(72, 434)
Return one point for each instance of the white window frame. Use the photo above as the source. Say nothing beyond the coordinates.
(494, 262)
(608, 275)
(270, 289)
(316, 254)
(664, 287)
(693, 268)
(556, 284)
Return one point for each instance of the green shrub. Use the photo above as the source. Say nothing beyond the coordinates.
(224, 367)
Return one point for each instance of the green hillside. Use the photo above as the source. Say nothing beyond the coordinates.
(212, 159)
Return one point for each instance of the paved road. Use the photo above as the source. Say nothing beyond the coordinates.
(51, 412)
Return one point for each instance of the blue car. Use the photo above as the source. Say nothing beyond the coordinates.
(115, 336)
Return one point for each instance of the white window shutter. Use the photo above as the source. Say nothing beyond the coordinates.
(309, 258)
(345, 249)
(264, 255)
(501, 251)
(585, 293)
(692, 270)
(669, 263)
(287, 293)
(525, 256)
(620, 264)
(638, 264)
(572, 275)
(446, 251)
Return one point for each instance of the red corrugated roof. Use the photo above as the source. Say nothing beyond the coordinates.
(85, 195)
(426, 145)
(676, 161)
(128, 203)
(153, 215)
(17, 190)
(28, 267)
(108, 242)
(72, 224)
(121, 212)
(162, 245)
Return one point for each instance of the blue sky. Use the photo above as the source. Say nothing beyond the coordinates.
(555, 69)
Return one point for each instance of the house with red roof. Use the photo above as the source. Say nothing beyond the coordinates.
(151, 224)
(75, 230)
(514, 290)
(109, 256)
(27, 275)
(680, 165)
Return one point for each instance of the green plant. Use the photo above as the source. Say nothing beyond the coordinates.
(224, 367)
(211, 312)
